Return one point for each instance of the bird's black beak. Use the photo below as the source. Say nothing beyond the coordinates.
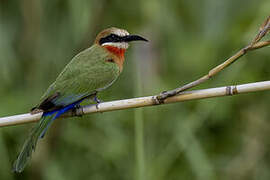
(130, 38)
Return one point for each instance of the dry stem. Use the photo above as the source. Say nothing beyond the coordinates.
(255, 44)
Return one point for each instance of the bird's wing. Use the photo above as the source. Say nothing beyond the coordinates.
(86, 73)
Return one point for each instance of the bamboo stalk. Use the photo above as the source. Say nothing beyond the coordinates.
(144, 101)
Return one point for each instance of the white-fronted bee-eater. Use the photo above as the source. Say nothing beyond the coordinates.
(88, 73)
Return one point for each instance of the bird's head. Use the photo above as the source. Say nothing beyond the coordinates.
(116, 40)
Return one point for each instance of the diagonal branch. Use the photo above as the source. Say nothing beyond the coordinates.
(255, 44)
(144, 101)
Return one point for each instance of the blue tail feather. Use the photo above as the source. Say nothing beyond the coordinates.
(36, 133)
(58, 112)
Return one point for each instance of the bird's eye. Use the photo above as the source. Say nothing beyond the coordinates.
(114, 38)
(110, 38)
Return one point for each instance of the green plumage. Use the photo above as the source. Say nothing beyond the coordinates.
(86, 74)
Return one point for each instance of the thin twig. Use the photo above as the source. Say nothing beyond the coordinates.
(255, 44)
(144, 101)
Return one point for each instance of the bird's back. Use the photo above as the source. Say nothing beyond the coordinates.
(88, 72)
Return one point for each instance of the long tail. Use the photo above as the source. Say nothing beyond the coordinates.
(37, 132)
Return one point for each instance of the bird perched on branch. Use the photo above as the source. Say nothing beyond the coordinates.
(88, 73)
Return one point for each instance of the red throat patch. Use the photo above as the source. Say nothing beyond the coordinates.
(119, 52)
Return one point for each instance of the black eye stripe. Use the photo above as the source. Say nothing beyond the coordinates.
(110, 38)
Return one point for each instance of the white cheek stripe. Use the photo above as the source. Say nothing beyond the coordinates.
(121, 45)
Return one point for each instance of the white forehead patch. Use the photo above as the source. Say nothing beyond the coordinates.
(120, 45)
(120, 32)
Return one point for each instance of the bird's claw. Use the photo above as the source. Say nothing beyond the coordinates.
(97, 106)
(77, 106)
(98, 101)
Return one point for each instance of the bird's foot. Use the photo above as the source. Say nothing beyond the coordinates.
(98, 101)
(77, 106)
(74, 110)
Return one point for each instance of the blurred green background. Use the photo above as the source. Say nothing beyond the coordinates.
(218, 138)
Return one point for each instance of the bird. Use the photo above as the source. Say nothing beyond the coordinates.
(89, 72)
